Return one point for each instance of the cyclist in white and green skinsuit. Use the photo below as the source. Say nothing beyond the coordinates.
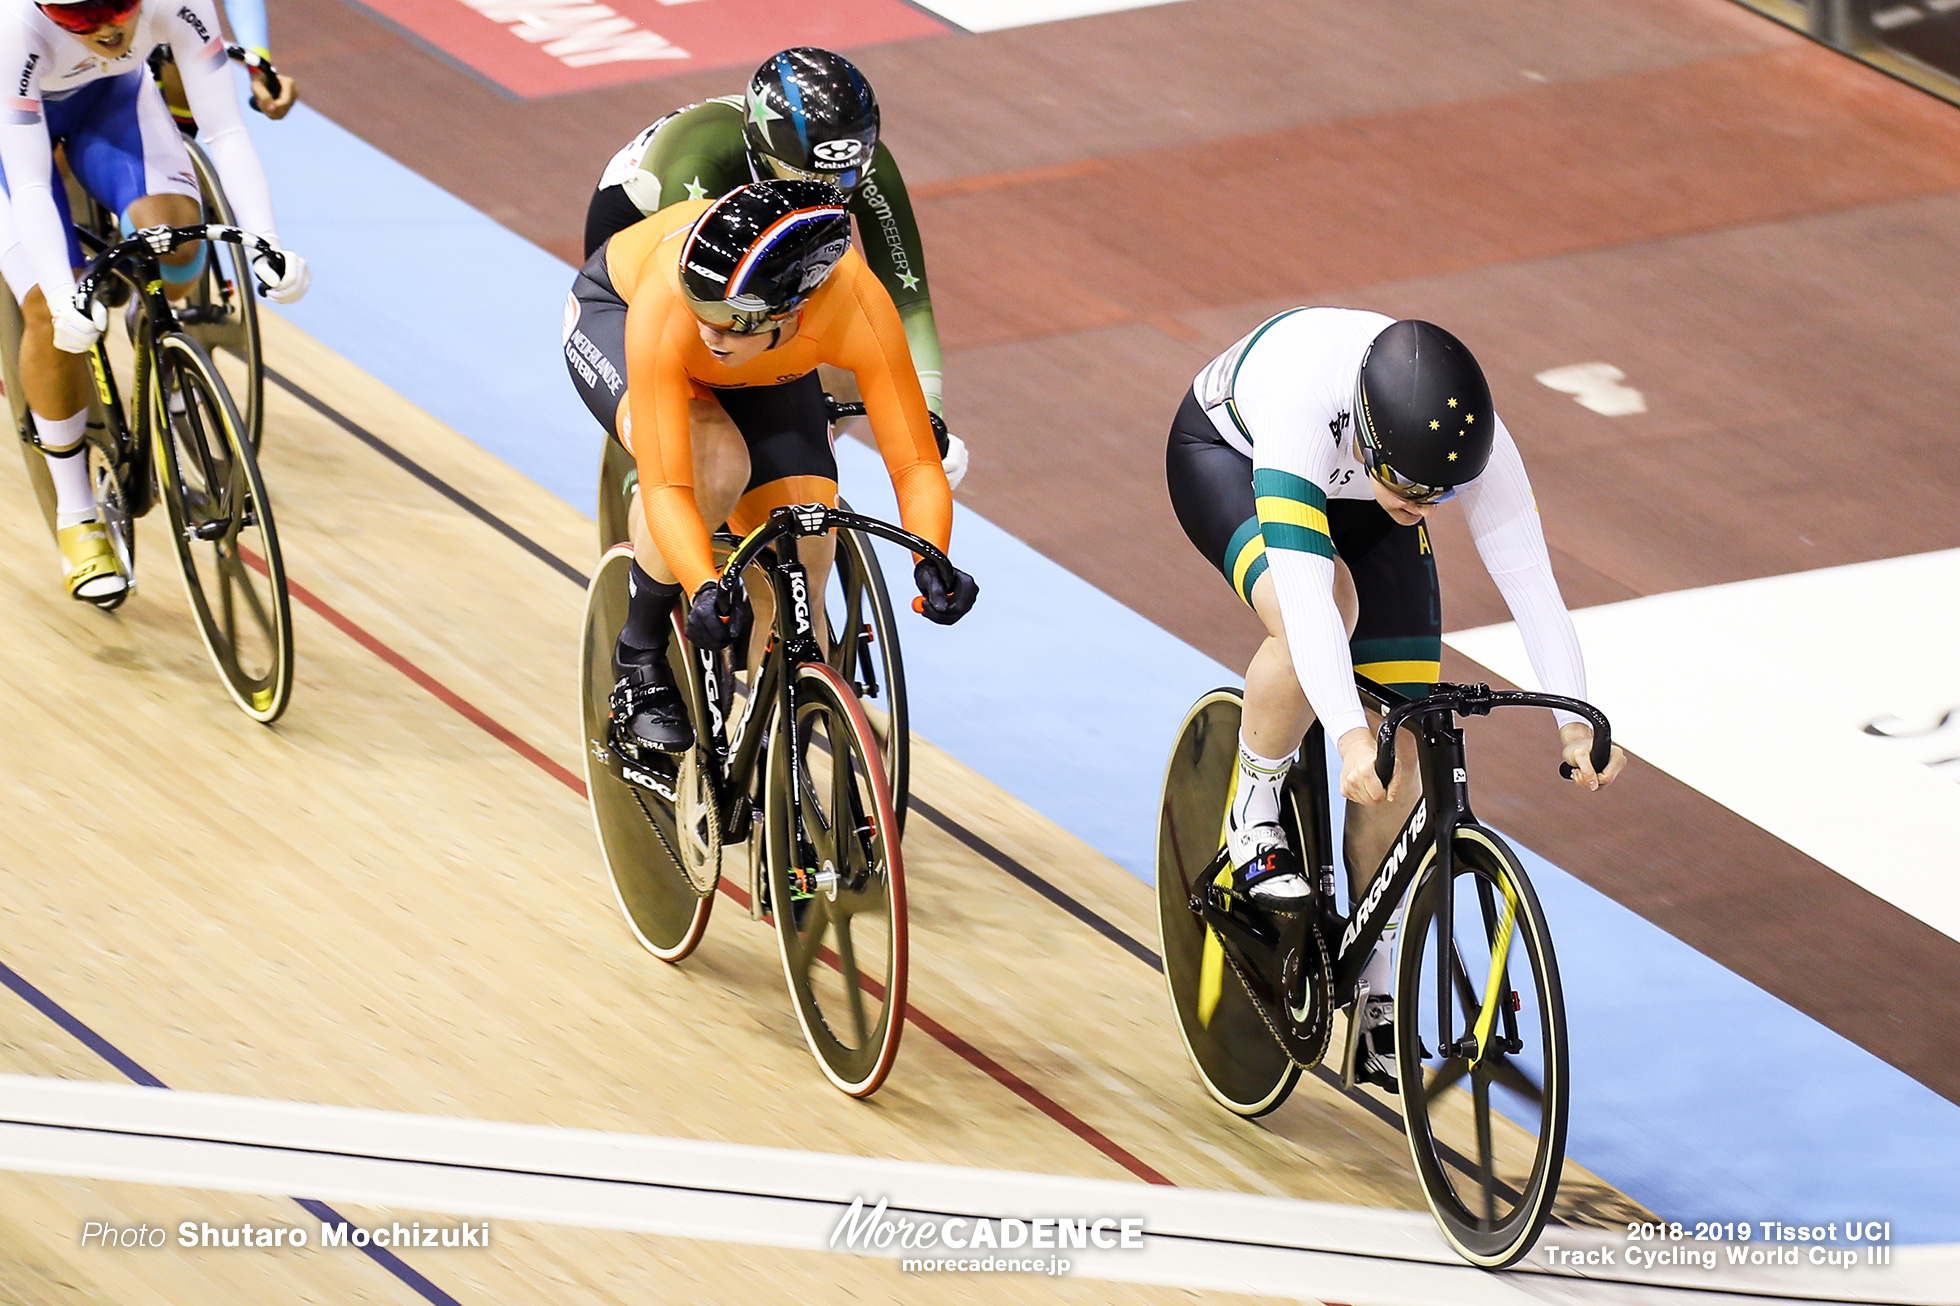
(807, 113)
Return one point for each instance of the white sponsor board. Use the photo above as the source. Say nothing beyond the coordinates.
(1824, 706)
(993, 15)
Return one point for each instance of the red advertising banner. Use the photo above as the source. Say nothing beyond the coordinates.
(550, 47)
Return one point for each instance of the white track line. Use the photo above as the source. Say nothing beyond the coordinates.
(729, 1192)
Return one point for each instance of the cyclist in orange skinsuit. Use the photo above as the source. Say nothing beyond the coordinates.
(708, 377)
(848, 322)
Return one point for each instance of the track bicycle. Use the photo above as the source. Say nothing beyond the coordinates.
(179, 439)
(1480, 1036)
(863, 643)
(796, 769)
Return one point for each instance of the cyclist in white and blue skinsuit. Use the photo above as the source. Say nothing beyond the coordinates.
(77, 74)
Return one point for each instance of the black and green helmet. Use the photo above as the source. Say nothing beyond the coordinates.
(811, 116)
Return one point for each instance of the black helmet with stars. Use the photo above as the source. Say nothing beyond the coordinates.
(1423, 414)
(810, 115)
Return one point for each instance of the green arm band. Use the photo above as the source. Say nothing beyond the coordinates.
(1292, 512)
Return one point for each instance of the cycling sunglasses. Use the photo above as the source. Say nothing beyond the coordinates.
(88, 15)
(724, 316)
(1409, 491)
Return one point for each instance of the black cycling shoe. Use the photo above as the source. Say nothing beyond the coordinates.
(1274, 877)
(647, 709)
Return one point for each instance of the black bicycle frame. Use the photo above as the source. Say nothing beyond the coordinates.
(734, 761)
(137, 261)
(1442, 810)
(1446, 783)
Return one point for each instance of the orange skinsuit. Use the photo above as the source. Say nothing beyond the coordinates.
(849, 322)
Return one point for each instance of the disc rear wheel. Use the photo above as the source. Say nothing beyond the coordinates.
(1485, 1108)
(836, 882)
(640, 833)
(1239, 1060)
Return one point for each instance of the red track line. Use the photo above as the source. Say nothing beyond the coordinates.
(475, 715)
(1001, 1075)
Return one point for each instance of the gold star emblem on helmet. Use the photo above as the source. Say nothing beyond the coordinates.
(1470, 417)
(1452, 455)
(1434, 424)
(1452, 403)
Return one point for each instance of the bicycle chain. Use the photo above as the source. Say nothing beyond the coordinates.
(667, 843)
(1326, 1030)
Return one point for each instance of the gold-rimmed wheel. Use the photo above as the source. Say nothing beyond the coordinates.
(660, 872)
(221, 524)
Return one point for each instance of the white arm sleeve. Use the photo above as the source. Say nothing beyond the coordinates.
(213, 96)
(1303, 580)
(1316, 637)
(1503, 518)
(29, 160)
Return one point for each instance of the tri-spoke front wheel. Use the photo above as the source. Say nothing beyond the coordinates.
(221, 523)
(1480, 1040)
(836, 882)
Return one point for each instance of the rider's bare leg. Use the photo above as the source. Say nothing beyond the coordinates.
(55, 381)
(721, 472)
(1276, 716)
(170, 211)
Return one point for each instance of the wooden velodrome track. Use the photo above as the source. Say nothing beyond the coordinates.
(393, 899)
(1756, 230)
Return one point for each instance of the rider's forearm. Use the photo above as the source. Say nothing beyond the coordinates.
(674, 521)
(922, 334)
(1503, 517)
(874, 349)
(37, 222)
(1551, 641)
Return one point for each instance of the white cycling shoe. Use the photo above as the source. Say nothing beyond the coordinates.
(1265, 870)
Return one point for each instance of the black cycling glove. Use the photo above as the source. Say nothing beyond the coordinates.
(716, 618)
(938, 604)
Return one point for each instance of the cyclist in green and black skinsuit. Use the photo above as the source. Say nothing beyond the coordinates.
(807, 114)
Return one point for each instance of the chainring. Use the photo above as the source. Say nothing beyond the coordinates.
(1306, 970)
